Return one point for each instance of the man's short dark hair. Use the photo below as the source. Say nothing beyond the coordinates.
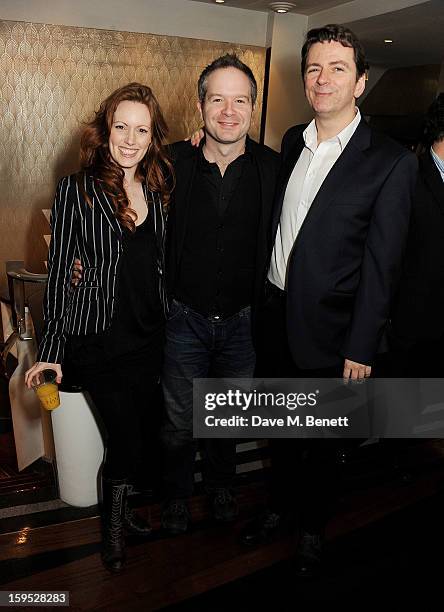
(230, 60)
(336, 33)
(434, 123)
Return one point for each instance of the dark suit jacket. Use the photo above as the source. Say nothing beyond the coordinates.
(419, 309)
(94, 235)
(345, 263)
(185, 159)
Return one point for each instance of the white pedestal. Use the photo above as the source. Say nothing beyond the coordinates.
(79, 450)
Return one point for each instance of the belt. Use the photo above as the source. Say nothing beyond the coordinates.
(219, 316)
(215, 318)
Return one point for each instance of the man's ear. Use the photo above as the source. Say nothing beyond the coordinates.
(360, 86)
(199, 108)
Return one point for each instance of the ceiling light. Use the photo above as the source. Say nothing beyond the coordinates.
(388, 40)
(282, 7)
(220, 1)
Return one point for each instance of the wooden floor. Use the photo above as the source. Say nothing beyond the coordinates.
(35, 483)
(166, 570)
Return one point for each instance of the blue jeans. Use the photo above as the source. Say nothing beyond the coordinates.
(199, 348)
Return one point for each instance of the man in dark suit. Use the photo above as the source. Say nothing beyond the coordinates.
(417, 320)
(339, 228)
(217, 253)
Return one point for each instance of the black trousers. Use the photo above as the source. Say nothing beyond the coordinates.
(130, 415)
(304, 472)
(127, 395)
(425, 359)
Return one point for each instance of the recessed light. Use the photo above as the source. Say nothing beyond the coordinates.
(220, 1)
(388, 40)
(282, 7)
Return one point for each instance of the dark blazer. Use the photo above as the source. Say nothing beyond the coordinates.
(345, 263)
(185, 158)
(419, 309)
(94, 235)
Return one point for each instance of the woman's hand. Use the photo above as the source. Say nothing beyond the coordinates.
(196, 137)
(76, 272)
(33, 373)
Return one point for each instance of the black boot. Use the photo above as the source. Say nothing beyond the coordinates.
(113, 543)
(264, 529)
(134, 523)
(308, 561)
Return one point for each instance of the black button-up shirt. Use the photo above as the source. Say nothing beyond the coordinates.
(217, 267)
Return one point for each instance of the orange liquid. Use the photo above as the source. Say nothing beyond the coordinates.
(49, 396)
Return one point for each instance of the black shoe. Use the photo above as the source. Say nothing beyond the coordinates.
(135, 524)
(175, 517)
(262, 529)
(308, 561)
(113, 542)
(224, 505)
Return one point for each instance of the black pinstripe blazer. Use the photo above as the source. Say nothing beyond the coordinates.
(94, 235)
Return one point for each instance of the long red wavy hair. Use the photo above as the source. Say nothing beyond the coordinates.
(155, 169)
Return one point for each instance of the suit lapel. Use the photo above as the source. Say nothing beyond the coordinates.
(106, 207)
(433, 180)
(185, 171)
(155, 208)
(344, 167)
(284, 176)
(267, 183)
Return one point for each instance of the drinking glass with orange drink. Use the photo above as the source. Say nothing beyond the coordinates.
(47, 390)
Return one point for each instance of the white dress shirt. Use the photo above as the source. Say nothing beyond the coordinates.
(310, 171)
(438, 162)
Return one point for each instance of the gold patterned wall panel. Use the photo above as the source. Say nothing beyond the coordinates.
(52, 78)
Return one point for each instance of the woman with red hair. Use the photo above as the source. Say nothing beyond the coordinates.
(107, 331)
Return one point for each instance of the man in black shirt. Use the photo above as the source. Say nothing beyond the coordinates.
(217, 249)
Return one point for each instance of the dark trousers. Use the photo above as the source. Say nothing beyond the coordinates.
(425, 359)
(197, 347)
(304, 472)
(127, 397)
(130, 414)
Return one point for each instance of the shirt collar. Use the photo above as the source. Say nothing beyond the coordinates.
(311, 134)
(438, 161)
(246, 155)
